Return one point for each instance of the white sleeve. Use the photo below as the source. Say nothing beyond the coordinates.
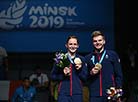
(32, 77)
(45, 77)
(3, 52)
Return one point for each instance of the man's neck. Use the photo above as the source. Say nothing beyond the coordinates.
(99, 50)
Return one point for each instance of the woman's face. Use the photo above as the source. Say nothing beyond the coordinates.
(98, 42)
(72, 45)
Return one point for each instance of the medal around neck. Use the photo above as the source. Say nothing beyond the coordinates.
(77, 61)
(98, 66)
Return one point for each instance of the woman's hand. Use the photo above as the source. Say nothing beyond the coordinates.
(66, 71)
(78, 66)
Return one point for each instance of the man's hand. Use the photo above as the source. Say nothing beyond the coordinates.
(94, 71)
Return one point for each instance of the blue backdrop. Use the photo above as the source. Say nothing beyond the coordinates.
(43, 25)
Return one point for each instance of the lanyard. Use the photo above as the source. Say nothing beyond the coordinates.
(70, 59)
(101, 59)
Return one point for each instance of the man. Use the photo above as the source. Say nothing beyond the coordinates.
(39, 79)
(104, 69)
(25, 92)
(3, 63)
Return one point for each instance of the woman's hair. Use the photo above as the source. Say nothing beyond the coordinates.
(70, 37)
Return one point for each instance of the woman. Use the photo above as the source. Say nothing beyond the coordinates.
(71, 77)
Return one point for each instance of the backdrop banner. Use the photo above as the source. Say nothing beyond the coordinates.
(43, 25)
(55, 14)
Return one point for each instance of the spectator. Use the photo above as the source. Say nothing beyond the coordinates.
(131, 52)
(25, 92)
(130, 70)
(39, 79)
(3, 63)
(54, 90)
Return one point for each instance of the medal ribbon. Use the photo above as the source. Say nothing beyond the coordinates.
(70, 59)
(71, 80)
(101, 59)
(72, 62)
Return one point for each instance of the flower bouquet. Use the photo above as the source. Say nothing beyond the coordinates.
(114, 94)
(61, 60)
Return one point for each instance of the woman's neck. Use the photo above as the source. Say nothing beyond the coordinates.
(72, 55)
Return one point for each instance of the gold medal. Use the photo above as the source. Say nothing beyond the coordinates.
(77, 61)
(98, 66)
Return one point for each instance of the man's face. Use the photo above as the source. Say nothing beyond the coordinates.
(38, 72)
(26, 83)
(98, 42)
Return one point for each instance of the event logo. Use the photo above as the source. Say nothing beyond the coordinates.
(13, 16)
(38, 16)
(48, 16)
